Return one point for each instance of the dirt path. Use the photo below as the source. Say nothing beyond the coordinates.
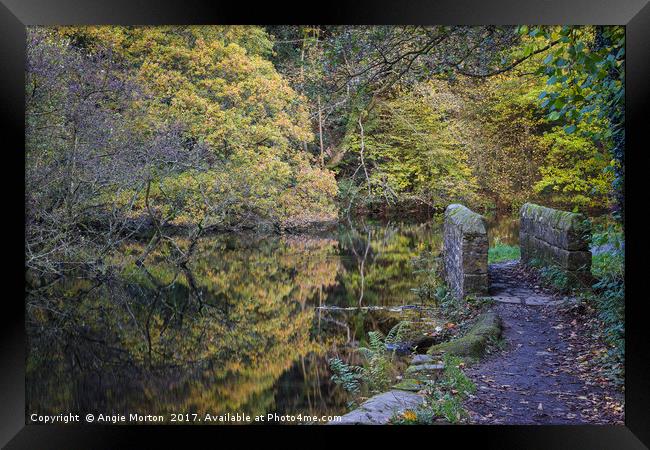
(536, 379)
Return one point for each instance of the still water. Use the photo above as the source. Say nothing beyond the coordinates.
(246, 327)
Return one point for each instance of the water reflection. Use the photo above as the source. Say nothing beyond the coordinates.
(236, 330)
(504, 229)
(246, 326)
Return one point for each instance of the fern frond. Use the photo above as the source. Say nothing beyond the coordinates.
(396, 333)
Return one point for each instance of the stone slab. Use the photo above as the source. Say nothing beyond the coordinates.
(507, 299)
(422, 359)
(379, 410)
(555, 237)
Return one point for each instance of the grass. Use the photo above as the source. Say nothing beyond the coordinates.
(444, 397)
(502, 252)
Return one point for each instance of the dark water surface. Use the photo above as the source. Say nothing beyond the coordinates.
(247, 327)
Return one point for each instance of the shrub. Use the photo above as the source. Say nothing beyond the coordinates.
(444, 397)
(608, 296)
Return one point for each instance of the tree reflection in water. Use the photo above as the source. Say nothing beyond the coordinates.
(234, 330)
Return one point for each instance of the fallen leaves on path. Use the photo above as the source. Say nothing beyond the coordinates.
(551, 371)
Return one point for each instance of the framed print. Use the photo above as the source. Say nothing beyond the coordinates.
(356, 219)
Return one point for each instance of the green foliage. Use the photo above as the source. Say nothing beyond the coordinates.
(610, 261)
(410, 151)
(454, 378)
(377, 363)
(585, 70)
(378, 360)
(553, 275)
(503, 252)
(521, 138)
(377, 373)
(444, 397)
(349, 377)
(575, 171)
(608, 267)
(432, 287)
(500, 124)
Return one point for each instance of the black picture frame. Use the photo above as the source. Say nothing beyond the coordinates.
(15, 15)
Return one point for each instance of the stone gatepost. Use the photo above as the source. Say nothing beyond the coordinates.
(557, 238)
(465, 251)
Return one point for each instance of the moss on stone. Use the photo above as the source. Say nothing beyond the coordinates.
(560, 220)
(488, 325)
(425, 368)
(467, 220)
(473, 344)
(409, 384)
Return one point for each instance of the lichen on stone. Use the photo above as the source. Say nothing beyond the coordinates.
(555, 237)
(465, 251)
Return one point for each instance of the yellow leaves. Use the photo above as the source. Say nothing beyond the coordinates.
(215, 83)
(409, 415)
(409, 137)
(192, 70)
(575, 170)
(107, 35)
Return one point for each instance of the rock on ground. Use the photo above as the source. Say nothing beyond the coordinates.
(378, 410)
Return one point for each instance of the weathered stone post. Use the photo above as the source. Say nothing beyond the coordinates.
(556, 237)
(465, 251)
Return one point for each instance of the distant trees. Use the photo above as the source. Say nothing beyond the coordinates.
(142, 127)
(83, 153)
(134, 128)
(351, 72)
(411, 152)
(218, 83)
(500, 91)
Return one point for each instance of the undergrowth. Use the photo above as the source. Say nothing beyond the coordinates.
(378, 371)
(434, 289)
(608, 294)
(444, 397)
